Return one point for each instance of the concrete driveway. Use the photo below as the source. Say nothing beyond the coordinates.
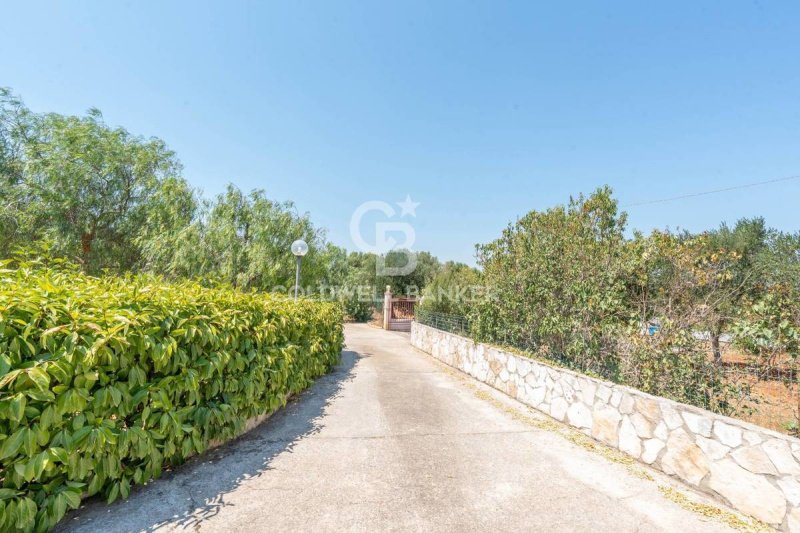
(395, 441)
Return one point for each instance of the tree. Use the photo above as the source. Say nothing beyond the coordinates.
(453, 289)
(108, 199)
(567, 285)
(557, 280)
(16, 123)
(169, 238)
(244, 240)
(671, 280)
(738, 250)
(412, 283)
(78, 183)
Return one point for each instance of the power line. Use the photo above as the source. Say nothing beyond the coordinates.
(715, 191)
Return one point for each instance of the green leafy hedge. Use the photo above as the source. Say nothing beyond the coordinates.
(104, 381)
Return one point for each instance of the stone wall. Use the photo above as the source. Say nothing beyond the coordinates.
(754, 469)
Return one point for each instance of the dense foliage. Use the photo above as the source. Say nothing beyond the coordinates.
(558, 283)
(566, 283)
(105, 380)
(453, 290)
(113, 201)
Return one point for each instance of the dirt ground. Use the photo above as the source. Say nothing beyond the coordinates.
(774, 391)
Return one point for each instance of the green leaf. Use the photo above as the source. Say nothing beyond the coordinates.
(12, 444)
(113, 493)
(59, 506)
(40, 463)
(7, 494)
(59, 454)
(73, 498)
(39, 377)
(26, 514)
(17, 407)
(116, 396)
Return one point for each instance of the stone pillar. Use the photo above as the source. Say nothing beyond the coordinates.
(387, 306)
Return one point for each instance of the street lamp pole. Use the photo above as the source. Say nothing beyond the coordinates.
(299, 258)
(299, 249)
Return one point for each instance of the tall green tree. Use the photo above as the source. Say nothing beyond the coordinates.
(169, 238)
(245, 239)
(79, 183)
(411, 283)
(16, 123)
(558, 281)
(738, 250)
(454, 289)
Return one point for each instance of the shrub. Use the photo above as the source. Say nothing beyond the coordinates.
(358, 310)
(567, 285)
(107, 380)
(453, 290)
(557, 281)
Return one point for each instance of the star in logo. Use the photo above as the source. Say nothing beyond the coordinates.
(408, 207)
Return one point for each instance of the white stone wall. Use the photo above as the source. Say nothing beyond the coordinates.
(754, 469)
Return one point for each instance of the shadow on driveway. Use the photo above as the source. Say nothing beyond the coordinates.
(196, 490)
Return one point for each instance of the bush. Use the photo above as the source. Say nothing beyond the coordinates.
(567, 285)
(358, 310)
(557, 284)
(453, 290)
(106, 380)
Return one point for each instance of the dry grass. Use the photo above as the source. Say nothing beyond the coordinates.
(735, 521)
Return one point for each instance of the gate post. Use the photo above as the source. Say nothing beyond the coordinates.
(387, 306)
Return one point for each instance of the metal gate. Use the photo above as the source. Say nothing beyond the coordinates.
(398, 313)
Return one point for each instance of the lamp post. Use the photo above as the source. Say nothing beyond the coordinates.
(299, 249)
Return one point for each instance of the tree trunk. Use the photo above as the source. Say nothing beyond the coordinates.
(715, 347)
(86, 248)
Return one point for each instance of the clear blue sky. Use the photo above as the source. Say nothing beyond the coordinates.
(479, 111)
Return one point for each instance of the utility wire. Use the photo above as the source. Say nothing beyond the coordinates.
(715, 191)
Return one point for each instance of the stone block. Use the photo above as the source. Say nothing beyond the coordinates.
(754, 459)
(781, 456)
(605, 425)
(558, 409)
(661, 432)
(644, 428)
(698, 424)
(748, 492)
(512, 389)
(603, 393)
(647, 407)
(628, 438)
(567, 390)
(626, 404)
(511, 364)
(713, 449)
(791, 489)
(652, 447)
(588, 391)
(684, 458)
(579, 415)
(727, 434)
(536, 395)
(616, 397)
(671, 416)
(793, 521)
